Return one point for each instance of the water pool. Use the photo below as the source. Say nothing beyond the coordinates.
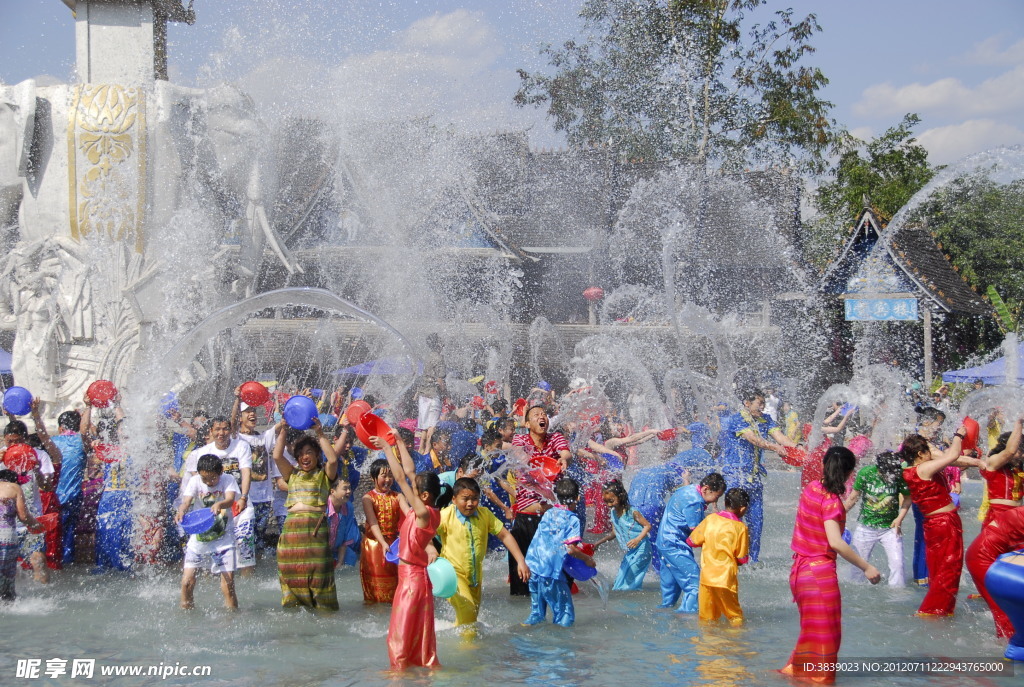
(121, 620)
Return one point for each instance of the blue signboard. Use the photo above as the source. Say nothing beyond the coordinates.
(881, 309)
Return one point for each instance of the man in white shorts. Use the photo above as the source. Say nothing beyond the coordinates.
(213, 489)
(430, 389)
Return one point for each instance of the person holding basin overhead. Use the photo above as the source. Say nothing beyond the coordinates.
(304, 560)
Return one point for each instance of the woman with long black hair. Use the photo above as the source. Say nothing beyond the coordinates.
(817, 540)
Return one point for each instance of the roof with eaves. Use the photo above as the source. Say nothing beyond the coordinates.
(907, 262)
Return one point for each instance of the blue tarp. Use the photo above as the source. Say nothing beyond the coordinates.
(990, 373)
(385, 366)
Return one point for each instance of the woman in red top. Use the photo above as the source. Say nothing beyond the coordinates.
(411, 638)
(817, 539)
(1003, 473)
(943, 531)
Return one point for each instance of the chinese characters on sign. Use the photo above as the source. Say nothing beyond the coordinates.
(881, 309)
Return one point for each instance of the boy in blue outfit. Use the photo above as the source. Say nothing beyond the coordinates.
(558, 535)
(680, 574)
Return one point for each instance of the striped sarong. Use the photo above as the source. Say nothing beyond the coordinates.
(305, 566)
(815, 588)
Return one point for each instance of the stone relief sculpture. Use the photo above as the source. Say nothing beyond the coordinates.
(111, 197)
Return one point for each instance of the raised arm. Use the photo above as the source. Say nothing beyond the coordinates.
(44, 437)
(998, 460)
(85, 425)
(235, 410)
(634, 439)
(941, 459)
(405, 483)
(331, 467)
(283, 466)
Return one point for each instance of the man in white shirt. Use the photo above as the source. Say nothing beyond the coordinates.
(236, 457)
(259, 534)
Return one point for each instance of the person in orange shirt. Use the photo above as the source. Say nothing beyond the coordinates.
(725, 546)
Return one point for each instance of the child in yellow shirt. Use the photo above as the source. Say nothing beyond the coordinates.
(463, 531)
(724, 544)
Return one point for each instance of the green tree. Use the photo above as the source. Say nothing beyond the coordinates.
(887, 170)
(977, 222)
(688, 79)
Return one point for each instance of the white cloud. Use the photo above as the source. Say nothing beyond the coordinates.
(991, 52)
(443, 66)
(946, 97)
(947, 144)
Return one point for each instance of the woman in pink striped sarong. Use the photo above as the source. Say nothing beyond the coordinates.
(817, 538)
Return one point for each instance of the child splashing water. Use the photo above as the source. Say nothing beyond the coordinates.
(216, 491)
(411, 638)
(632, 531)
(558, 535)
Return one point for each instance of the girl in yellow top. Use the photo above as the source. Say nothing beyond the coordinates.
(463, 530)
(725, 545)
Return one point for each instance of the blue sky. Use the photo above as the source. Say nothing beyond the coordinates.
(959, 65)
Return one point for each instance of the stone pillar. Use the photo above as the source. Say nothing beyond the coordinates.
(124, 41)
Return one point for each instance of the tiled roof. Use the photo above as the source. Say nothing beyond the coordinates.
(914, 249)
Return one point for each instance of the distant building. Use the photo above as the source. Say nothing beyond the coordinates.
(552, 219)
(904, 278)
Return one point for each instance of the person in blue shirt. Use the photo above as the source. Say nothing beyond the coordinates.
(557, 536)
(648, 491)
(744, 436)
(680, 574)
(69, 487)
(697, 460)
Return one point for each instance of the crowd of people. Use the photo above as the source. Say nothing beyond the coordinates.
(461, 479)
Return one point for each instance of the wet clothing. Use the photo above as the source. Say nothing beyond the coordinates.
(464, 544)
(546, 557)
(743, 467)
(634, 561)
(379, 577)
(411, 637)
(815, 584)
(1003, 533)
(649, 490)
(8, 548)
(943, 542)
(680, 574)
(305, 565)
(724, 547)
